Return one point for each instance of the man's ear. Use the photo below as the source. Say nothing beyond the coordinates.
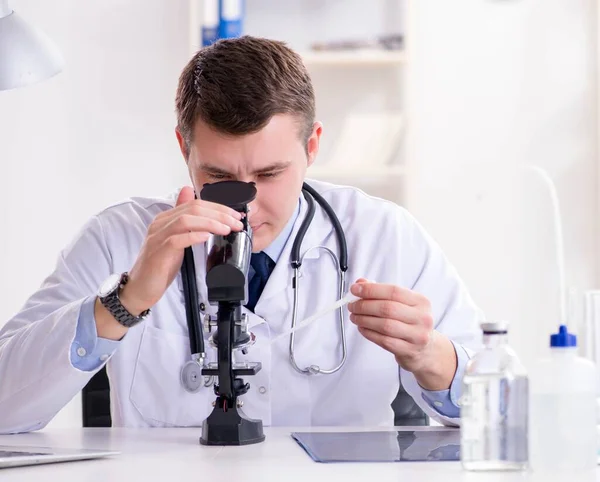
(312, 145)
(182, 144)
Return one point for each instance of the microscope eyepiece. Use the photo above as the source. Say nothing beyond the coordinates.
(234, 194)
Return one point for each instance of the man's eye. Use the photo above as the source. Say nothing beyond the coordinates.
(269, 175)
(218, 176)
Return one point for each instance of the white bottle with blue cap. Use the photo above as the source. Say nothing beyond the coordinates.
(563, 409)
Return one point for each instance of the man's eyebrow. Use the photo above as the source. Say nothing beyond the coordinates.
(277, 166)
(215, 170)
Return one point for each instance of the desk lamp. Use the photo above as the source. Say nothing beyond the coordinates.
(27, 56)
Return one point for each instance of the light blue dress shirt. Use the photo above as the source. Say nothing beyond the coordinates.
(89, 352)
(445, 402)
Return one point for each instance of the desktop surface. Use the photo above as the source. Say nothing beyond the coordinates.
(153, 454)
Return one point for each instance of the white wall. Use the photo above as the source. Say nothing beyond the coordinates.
(101, 131)
(495, 83)
(498, 84)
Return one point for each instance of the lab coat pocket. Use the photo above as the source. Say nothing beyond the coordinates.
(156, 391)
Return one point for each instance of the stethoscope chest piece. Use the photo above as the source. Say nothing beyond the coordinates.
(191, 376)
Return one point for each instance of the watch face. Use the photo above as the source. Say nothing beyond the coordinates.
(109, 285)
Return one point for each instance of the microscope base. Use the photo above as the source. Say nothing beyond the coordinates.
(232, 427)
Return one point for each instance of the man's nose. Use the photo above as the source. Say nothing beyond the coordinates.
(252, 209)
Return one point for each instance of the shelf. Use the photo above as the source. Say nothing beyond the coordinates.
(383, 172)
(358, 57)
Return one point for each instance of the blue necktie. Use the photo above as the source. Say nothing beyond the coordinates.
(263, 266)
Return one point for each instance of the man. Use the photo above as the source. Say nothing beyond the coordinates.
(245, 111)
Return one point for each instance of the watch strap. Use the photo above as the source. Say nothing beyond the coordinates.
(113, 304)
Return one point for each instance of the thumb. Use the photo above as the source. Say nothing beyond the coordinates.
(185, 195)
(356, 290)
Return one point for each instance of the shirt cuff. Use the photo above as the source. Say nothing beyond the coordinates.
(445, 402)
(88, 351)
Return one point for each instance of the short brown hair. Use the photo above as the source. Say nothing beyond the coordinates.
(236, 85)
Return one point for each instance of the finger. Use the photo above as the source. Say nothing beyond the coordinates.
(188, 223)
(392, 328)
(218, 207)
(180, 207)
(381, 291)
(185, 195)
(207, 205)
(210, 211)
(204, 210)
(389, 309)
(185, 240)
(394, 345)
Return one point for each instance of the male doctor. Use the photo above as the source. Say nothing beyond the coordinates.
(245, 111)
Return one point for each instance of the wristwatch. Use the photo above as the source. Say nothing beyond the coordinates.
(109, 297)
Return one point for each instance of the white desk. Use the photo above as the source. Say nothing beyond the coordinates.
(173, 455)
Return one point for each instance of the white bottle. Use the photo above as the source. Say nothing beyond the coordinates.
(563, 409)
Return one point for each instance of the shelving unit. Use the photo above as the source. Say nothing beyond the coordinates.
(358, 58)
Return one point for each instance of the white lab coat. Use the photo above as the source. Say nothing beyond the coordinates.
(385, 244)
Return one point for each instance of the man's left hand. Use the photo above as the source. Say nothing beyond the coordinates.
(400, 321)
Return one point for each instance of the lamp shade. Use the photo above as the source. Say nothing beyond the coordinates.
(27, 56)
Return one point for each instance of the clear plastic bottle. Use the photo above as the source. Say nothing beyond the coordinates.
(494, 406)
(563, 409)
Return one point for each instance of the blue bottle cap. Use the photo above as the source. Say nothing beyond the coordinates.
(563, 338)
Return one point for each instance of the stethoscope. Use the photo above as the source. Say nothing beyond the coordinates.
(191, 372)
(341, 266)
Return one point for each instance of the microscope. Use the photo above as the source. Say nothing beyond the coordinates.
(228, 260)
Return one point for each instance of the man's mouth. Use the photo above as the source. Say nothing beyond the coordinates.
(257, 227)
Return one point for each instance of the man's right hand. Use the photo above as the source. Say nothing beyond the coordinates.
(191, 222)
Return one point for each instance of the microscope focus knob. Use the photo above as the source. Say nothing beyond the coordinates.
(209, 323)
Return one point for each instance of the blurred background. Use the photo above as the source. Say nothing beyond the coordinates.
(460, 111)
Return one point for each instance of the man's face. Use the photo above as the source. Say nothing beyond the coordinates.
(275, 158)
